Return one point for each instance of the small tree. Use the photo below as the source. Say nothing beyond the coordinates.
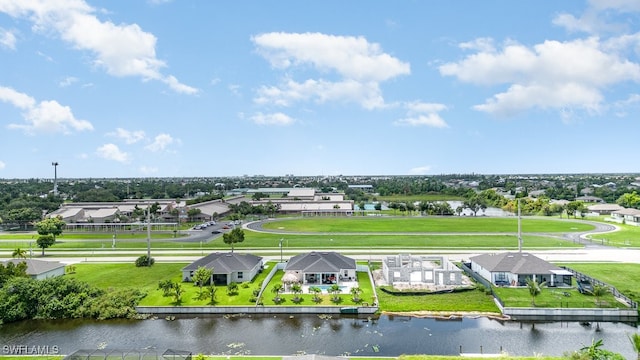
(534, 289)
(202, 276)
(234, 236)
(19, 253)
(45, 241)
(177, 293)
(166, 286)
(296, 289)
(599, 291)
(316, 291)
(232, 288)
(277, 289)
(51, 226)
(355, 292)
(335, 291)
(211, 292)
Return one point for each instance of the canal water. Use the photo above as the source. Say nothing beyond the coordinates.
(313, 334)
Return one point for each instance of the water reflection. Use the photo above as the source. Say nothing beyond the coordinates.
(285, 335)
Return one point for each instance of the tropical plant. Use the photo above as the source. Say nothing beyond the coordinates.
(232, 288)
(534, 289)
(599, 291)
(211, 293)
(355, 292)
(277, 289)
(595, 352)
(202, 276)
(19, 253)
(316, 291)
(177, 293)
(296, 289)
(335, 291)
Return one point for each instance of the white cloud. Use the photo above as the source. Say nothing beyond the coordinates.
(601, 16)
(68, 81)
(129, 137)
(7, 39)
(46, 116)
(550, 75)
(359, 65)
(161, 142)
(272, 119)
(2, 165)
(420, 170)
(423, 114)
(112, 152)
(122, 50)
(148, 170)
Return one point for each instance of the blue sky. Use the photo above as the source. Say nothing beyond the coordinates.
(211, 88)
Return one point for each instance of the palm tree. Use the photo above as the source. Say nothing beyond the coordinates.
(335, 290)
(316, 292)
(19, 253)
(635, 340)
(296, 289)
(277, 289)
(355, 292)
(534, 289)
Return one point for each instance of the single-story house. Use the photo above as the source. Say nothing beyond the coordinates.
(626, 216)
(321, 268)
(514, 268)
(604, 209)
(40, 269)
(227, 267)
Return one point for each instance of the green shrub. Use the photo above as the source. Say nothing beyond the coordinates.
(144, 261)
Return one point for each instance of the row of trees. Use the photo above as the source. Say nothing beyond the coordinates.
(23, 298)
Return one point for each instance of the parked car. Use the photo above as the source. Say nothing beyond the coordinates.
(585, 286)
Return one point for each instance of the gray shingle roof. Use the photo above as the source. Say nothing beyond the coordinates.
(225, 263)
(515, 263)
(37, 267)
(320, 261)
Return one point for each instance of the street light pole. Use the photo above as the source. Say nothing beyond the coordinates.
(148, 235)
(281, 250)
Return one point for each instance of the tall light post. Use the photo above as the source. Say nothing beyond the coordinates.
(55, 178)
(148, 235)
(281, 250)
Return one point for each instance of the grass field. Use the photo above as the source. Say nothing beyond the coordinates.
(422, 197)
(427, 225)
(555, 298)
(625, 277)
(628, 236)
(473, 300)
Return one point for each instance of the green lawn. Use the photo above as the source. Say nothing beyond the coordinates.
(421, 197)
(628, 236)
(625, 277)
(427, 224)
(473, 300)
(554, 298)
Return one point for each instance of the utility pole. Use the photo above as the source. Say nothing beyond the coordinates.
(148, 235)
(519, 229)
(55, 178)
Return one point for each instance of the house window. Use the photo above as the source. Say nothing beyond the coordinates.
(501, 277)
(240, 274)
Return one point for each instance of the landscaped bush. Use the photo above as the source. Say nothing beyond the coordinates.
(144, 261)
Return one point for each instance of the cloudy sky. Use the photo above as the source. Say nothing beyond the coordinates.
(164, 88)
